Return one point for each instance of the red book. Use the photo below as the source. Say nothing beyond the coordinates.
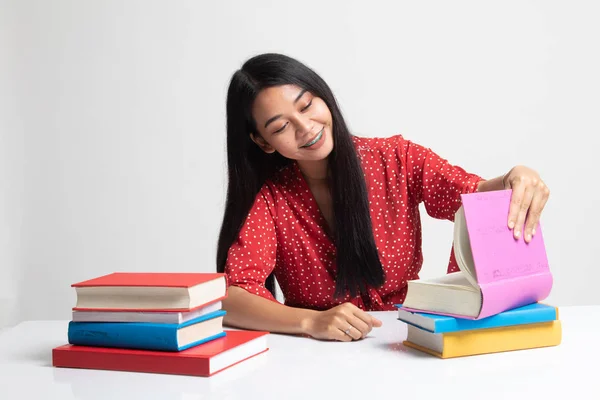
(202, 360)
(150, 291)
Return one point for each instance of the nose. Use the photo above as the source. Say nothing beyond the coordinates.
(303, 126)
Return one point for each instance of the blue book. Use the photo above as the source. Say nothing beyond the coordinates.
(529, 314)
(148, 335)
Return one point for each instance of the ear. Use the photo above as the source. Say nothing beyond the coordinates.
(262, 143)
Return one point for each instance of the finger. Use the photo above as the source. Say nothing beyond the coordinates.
(338, 332)
(516, 199)
(347, 322)
(367, 318)
(353, 332)
(535, 211)
(359, 325)
(525, 204)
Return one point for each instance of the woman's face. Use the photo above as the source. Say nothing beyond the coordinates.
(293, 122)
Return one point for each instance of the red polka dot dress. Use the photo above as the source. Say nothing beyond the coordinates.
(284, 231)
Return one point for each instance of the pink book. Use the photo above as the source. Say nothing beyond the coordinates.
(497, 271)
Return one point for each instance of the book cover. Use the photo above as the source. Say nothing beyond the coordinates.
(497, 271)
(485, 341)
(150, 291)
(509, 271)
(203, 360)
(147, 335)
(147, 279)
(529, 314)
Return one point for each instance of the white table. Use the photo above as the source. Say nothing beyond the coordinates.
(302, 368)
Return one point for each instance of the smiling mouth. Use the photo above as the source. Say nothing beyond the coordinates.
(315, 140)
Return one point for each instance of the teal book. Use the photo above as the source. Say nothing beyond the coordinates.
(529, 314)
(148, 335)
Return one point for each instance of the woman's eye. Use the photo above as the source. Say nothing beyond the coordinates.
(281, 129)
(307, 106)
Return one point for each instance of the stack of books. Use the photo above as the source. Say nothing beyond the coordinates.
(154, 322)
(494, 303)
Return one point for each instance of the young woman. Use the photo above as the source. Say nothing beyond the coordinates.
(332, 216)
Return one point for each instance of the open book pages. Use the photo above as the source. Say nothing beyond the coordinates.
(457, 292)
(497, 271)
(462, 247)
(452, 294)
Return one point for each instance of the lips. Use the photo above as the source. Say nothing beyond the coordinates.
(315, 139)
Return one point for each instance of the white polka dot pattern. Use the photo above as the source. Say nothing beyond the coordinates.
(284, 232)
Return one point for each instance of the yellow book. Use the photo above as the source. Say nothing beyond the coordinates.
(485, 341)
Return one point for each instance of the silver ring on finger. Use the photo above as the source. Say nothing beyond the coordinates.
(347, 331)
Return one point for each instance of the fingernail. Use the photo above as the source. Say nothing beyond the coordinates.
(533, 231)
(528, 237)
(511, 224)
(517, 233)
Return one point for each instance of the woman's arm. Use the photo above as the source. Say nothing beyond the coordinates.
(249, 311)
(492, 184)
(249, 305)
(438, 184)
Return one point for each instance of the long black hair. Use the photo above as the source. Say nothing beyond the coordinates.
(358, 264)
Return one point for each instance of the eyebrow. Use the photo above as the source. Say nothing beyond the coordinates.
(273, 119)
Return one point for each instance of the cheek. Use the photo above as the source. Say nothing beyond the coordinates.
(283, 145)
(322, 112)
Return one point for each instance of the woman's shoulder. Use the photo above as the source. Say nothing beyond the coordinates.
(379, 142)
(385, 147)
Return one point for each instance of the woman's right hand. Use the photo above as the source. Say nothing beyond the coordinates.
(345, 322)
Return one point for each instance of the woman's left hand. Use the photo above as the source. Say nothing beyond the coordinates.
(529, 196)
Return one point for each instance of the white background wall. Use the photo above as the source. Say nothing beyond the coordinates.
(112, 153)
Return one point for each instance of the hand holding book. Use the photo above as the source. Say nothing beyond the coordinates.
(497, 272)
(529, 196)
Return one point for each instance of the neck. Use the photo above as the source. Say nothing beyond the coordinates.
(314, 171)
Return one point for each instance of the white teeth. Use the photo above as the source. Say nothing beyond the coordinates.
(315, 140)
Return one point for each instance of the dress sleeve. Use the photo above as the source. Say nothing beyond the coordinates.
(253, 255)
(435, 182)
(432, 180)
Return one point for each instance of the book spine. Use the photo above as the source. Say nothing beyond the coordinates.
(124, 335)
(149, 363)
(512, 293)
(503, 339)
(527, 315)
